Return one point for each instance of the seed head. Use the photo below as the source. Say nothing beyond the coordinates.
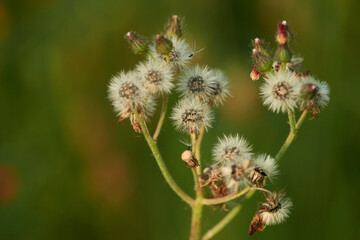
(279, 91)
(189, 115)
(275, 209)
(264, 166)
(235, 174)
(179, 55)
(231, 148)
(220, 89)
(156, 77)
(125, 92)
(198, 82)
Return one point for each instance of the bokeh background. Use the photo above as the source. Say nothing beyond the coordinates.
(69, 171)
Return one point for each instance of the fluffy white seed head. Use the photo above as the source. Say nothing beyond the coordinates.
(220, 89)
(263, 166)
(234, 174)
(320, 94)
(231, 148)
(197, 82)
(180, 55)
(156, 77)
(275, 210)
(280, 91)
(189, 115)
(125, 92)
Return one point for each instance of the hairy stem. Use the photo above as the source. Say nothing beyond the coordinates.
(155, 151)
(162, 117)
(292, 120)
(227, 219)
(198, 206)
(291, 137)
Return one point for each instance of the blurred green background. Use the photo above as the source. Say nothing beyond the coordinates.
(69, 171)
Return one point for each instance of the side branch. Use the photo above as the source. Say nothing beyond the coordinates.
(215, 201)
(160, 162)
(162, 117)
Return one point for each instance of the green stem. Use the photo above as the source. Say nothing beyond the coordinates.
(151, 56)
(197, 208)
(216, 201)
(162, 117)
(155, 151)
(291, 136)
(292, 120)
(198, 143)
(227, 219)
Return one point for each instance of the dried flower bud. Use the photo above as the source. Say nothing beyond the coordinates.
(139, 44)
(173, 28)
(256, 225)
(163, 45)
(189, 159)
(255, 74)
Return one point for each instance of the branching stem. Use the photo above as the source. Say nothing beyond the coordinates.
(161, 118)
(155, 151)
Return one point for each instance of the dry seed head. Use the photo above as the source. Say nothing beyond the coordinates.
(189, 115)
(235, 174)
(156, 77)
(276, 208)
(125, 92)
(280, 91)
(220, 89)
(313, 93)
(231, 148)
(179, 55)
(197, 82)
(264, 166)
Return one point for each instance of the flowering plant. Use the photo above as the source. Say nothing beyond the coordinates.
(236, 172)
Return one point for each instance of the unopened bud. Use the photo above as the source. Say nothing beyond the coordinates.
(281, 36)
(262, 62)
(173, 28)
(260, 47)
(255, 74)
(308, 91)
(283, 54)
(189, 159)
(139, 44)
(163, 45)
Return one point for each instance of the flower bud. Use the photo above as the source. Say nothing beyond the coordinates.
(260, 47)
(163, 45)
(262, 62)
(281, 36)
(139, 44)
(308, 91)
(283, 54)
(255, 74)
(173, 28)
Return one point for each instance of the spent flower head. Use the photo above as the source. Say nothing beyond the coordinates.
(314, 94)
(190, 115)
(231, 148)
(275, 209)
(179, 56)
(156, 77)
(280, 91)
(125, 92)
(234, 173)
(197, 82)
(263, 166)
(220, 88)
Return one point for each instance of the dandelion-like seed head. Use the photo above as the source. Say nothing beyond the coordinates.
(179, 55)
(125, 92)
(279, 91)
(189, 115)
(234, 174)
(263, 166)
(231, 148)
(156, 77)
(197, 82)
(314, 94)
(220, 89)
(276, 208)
